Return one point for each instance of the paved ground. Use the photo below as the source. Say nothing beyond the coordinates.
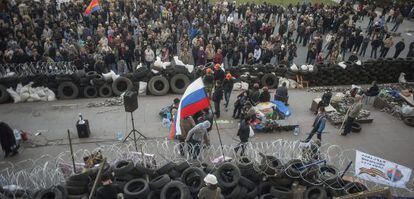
(386, 137)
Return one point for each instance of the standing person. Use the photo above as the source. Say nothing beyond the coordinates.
(149, 57)
(388, 43)
(318, 125)
(107, 190)
(254, 94)
(217, 97)
(7, 140)
(218, 73)
(399, 47)
(375, 44)
(201, 57)
(257, 54)
(238, 105)
(282, 93)
(364, 46)
(208, 80)
(353, 112)
(211, 190)
(186, 124)
(265, 95)
(227, 87)
(398, 21)
(195, 138)
(411, 50)
(218, 57)
(243, 133)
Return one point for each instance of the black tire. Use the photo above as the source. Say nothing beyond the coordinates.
(268, 196)
(73, 190)
(228, 175)
(409, 121)
(98, 80)
(90, 92)
(328, 174)
(193, 177)
(252, 190)
(175, 187)
(292, 168)
(315, 192)
(105, 91)
(264, 188)
(159, 182)
(50, 193)
(233, 193)
(153, 195)
(80, 177)
(182, 166)
(77, 183)
(270, 80)
(137, 188)
(120, 85)
(158, 85)
(281, 192)
(356, 127)
(4, 95)
(270, 165)
(82, 196)
(123, 167)
(68, 90)
(355, 187)
(179, 83)
(91, 75)
(166, 168)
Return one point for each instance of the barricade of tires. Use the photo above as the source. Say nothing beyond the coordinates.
(175, 78)
(241, 178)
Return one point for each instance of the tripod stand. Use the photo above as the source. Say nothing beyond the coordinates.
(134, 132)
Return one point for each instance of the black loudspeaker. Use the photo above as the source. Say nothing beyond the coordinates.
(131, 101)
(83, 129)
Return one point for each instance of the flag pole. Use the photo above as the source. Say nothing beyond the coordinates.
(218, 131)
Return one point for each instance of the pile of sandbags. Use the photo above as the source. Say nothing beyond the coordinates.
(28, 93)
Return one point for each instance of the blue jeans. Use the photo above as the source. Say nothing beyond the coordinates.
(227, 97)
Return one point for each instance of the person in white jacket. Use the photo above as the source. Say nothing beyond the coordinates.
(257, 54)
(149, 56)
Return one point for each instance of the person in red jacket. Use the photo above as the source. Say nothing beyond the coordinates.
(218, 57)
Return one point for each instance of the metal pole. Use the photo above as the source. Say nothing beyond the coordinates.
(218, 131)
(133, 129)
(98, 177)
(71, 152)
(346, 169)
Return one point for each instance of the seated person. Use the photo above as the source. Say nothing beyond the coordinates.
(282, 93)
(265, 95)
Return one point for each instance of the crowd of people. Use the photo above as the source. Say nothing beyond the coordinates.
(124, 32)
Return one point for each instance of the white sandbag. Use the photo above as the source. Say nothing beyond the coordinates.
(155, 71)
(24, 96)
(337, 97)
(177, 61)
(16, 97)
(190, 68)
(114, 77)
(237, 86)
(407, 110)
(142, 88)
(294, 68)
(164, 65)
(310, 68)
(108, 76)
(50, 94)
(158, 62)
(304, 67)
(342, 65)
(34, 97)
(359, 63)
(139, 65)
(402, 79)
(292, 83)
(244, 86)
(40, 92)
(282, 80)
(19, 88)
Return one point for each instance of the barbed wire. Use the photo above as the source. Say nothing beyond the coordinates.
(40, 68)
(47, 171)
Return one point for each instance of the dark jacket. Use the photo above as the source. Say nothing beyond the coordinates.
(254, 96)
(228, 85)
(264, 96)
(218, 94)
(373, 91)
(219, 75)
(244, 131)
(400, 46)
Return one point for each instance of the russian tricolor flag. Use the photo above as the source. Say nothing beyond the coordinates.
(93, 6)
(194, 100)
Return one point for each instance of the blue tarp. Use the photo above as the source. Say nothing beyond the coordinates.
(281, 106)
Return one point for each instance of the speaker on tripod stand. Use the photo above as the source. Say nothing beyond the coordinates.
(131, 104)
